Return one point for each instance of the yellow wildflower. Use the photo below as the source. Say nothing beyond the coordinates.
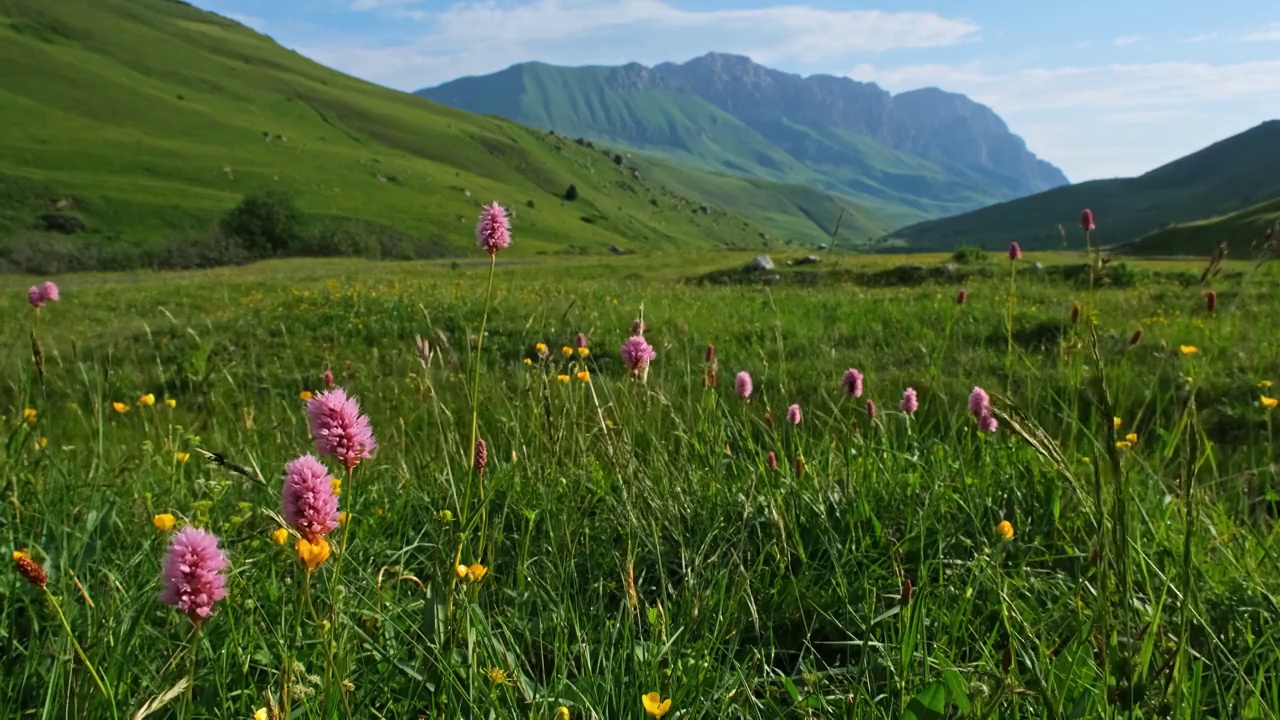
(1117, 422)
(583, 352)
(566, 351)
(305, 395)
(164, 522)
(583, 375)
(655, 705)
(312, 554)
(1124, 445)
(343, 517)
(1132, 438)
(23, 554)
(445, 516)
(1265, 384)
(30, 415)
(335, 484)
(1087, 459)
(280, 536)
(260, 714)
(497, 676)
(527, 361)
(181, 456)
(1269, 402)
(562, 378)
(1188, 349)
(378, 511)
(170, 403)
(41, 443)
(1005, 530)
(461, 570)
(475, 572)
(147, 400)
(562, 713)
(541, 349)
(120, 407)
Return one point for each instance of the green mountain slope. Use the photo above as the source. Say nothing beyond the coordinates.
(1226, 177)
(148, 119)
(919, 154)
(1244, 231)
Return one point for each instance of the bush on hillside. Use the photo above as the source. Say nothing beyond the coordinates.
(969, 255)
(571, 194)
(266, 223)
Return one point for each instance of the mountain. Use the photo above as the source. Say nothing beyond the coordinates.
(1245, 232)
(145, 120)
(1228, 176)
(922, 153)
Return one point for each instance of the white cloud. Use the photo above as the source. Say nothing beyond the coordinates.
(476, 37)
(1270, 33)
(1127, 40)
(364, 5)
(249, 21)
(1104, 120)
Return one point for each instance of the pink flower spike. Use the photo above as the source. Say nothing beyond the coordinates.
(50, 291)
(772, 460)
(580, 341)
(793, 414)
(636, 354)
(871, 409)
(987, 423)
(852, 383)
(328, 379)
(309, 502)
(742, 385)
(979, 402)
(1086, 220)
(339, 429)
(910, 402)
(493, 232)
(638, 327)
(35, 296)
(1015, 251)
(193, 573)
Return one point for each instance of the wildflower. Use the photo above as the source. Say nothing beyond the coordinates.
(181, 457)
(871, 409)
(493, 232)
(1005, 530)
(280, 536)
(1188, 349)
(637, 353)
(35, 297)
(29, 568)
(638, 327)
(1211, 301)
(583, 375)
(120, 407)
(793, 414)
(1269, 402)
(1117, 422)
(328, 379)
(583, 352)
(42, 443)
(472, 573)
(1265, 384)
(1132, 438)
(338, 427)
(852, 383)
(305, 395)
(482, 455)
(566, 351)
(562, 713)
(562, 378)
(1086, 220)
(711, 353)
(768, 419)
(1124, 445)
(461, 570)
(336, 485)
(312, 554)
(260, 714)
(193, 573)
(799, 466)
(580, 341)
(1015, 251)
(50, 291)
(147, 400)
(343, 517)
(30, 415)
(527, 361)
(1087, 460)
(979, 402)
(309, 503)
(742, 385)
(541, 349)
(987, 423)
(445, 516)
(655, 705)
(497, 676)
(910, 401)
(1075, 313)
(962, 296)
(170, 403)
(163, 522)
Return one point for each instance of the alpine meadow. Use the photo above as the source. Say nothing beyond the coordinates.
(323, 400)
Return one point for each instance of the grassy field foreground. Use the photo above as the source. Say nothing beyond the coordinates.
(631, 535)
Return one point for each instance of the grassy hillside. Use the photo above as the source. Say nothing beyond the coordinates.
(682, 126)
(1225, 177)
(1243, 230)
(147, 119)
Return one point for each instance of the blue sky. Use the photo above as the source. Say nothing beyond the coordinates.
(1100, 88)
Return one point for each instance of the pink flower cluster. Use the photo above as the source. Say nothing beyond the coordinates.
(636, 354)
(339, 429)
(309, 501)
(910, 402)
(980, 408)
(38, 295)
(742, 385)
(793, 414)
(193, 579)
(493, 232)
(852, 383)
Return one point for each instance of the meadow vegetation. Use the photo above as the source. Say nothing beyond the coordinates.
(1109, 550)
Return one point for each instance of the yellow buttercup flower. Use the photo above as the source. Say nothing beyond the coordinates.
(583, 375)
(21, 554)
(280, 536)
(164, 522)
(541, 349)
(30, 415)
(260, 714)
(305, 395)
(476, 571)
(583, 352)
(1269, 402)
(497, 676)
(1124, 445)
(181, 456)
(1087, 459)
(41, 443)
(562, 713)
(170, 403)
(1005, 530)
(562, 378)
(147, 400)
(566, 351)
(655, 705)
(527, 361)
(445, 516)
(1188, 349)
(1132, 438)
(1117, 422)
(312, 554)
(120, 407)
(1265, 384)
(461, 570)
(343, 517)
(335, 484)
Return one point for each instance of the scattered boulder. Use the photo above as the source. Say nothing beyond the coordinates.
(617, 250)
(60, 223)
(771, 279)
(806, 260)
(1036, 266)
(761, 262)
(822, 246)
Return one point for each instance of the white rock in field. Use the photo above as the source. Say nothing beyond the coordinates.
(762, 262)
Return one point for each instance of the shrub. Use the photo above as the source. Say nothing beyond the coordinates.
(571, 194)
(969, 255)
(266, 223)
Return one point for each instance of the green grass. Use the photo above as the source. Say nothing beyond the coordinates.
(1226, 177)
(149, 119)
(1244, 232)
(634, 537)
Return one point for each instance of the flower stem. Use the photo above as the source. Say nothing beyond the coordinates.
(97, 679)
(190, 710)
